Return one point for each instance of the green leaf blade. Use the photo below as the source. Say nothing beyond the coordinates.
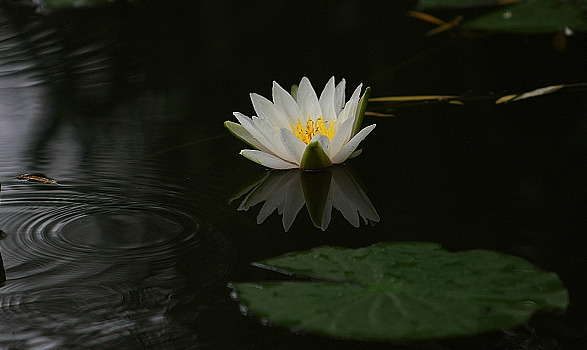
(394, 291)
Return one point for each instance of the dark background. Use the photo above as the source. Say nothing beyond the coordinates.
(142, 84)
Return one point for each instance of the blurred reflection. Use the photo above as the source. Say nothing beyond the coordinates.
(287, 191)
(2, 271)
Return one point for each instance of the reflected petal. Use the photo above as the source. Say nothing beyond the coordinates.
(320, 191)
(344, 204)
(354, 194)
(264, 189)
(293, 202)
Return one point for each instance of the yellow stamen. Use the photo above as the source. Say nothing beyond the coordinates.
(313, 128)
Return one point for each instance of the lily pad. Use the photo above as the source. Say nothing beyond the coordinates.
(533, 17)
(401, 291)
(520, 17)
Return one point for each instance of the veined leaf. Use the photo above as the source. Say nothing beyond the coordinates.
(392, 291)
(532, 17)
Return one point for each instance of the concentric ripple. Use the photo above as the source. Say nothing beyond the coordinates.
(100, 266)
(48, 227)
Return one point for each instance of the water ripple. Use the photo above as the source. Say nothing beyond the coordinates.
(102, 266)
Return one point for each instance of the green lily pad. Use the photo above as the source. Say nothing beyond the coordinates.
(532, 17)
(401, 291)
(523, 17)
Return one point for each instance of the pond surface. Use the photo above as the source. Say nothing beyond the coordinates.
(123, 106)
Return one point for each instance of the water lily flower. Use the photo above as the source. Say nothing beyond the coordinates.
(300, 130)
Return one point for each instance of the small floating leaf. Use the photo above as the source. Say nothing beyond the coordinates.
(506, 98)
(533, 93)
(36, 178)
(516, 16)
(394, 291)
(537, 92)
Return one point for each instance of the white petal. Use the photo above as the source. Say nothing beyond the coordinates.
(266, 159)
(272, 135)
(240, 132)
(308, 101)
(293, 145)
(350, 147)
(247, 123)
(266, 110)
(350, 109)
(342, 136)
(327, 101)
(339, 96)
(285, 103)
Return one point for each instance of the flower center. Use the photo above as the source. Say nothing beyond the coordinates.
(313, 128)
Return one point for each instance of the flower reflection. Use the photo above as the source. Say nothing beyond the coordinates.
(287, 191)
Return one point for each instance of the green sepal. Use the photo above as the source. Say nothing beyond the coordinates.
(314, 157)
(361, 110)
(232, 126)
(294, 92)
(316, 186)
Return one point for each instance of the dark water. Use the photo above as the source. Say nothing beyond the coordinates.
(124, 105)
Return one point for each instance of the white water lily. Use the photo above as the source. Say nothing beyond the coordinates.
(300, 130)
